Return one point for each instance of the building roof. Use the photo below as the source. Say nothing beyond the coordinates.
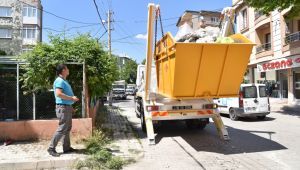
(200, 13)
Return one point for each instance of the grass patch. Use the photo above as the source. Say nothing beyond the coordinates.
(96, 146)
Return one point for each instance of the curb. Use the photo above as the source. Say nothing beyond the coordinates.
(40, 164)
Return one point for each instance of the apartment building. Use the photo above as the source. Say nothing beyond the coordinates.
(199, 19)
(275, 60)
(20, 25)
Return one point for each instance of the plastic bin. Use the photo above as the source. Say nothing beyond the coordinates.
(201, 70)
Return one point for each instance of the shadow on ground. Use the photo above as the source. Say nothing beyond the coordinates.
(290, 110)
(250, 119)
(241, 141)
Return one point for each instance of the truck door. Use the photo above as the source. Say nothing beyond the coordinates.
(263, 101)
(250, 101)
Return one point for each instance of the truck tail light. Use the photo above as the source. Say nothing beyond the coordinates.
(241, 101)
(210, 106)
(152, 108)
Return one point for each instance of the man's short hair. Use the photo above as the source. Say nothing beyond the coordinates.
(59, 68)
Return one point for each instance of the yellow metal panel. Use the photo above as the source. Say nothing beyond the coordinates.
(234, 68)
(210, 69)
(201, 70)
(186, 68)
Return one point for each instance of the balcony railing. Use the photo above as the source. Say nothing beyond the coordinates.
(263, 47)
(292, 37)
(258, 14)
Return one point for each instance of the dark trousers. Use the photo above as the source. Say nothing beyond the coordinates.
(64, 114)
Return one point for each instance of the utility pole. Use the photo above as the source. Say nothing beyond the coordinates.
(109, 49)
(109, 31)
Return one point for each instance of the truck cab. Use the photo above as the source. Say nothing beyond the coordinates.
(119, 90)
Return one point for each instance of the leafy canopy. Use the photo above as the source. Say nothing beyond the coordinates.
(128, 72)
(101, 70)
(267, 6)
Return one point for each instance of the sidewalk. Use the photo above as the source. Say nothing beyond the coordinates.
(34, 155)
(126, 143)
(282, 105)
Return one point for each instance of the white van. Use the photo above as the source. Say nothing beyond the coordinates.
(252, 102)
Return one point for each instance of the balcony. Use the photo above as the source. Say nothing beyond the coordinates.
(258, 14)
(263, 48)
(292, 37)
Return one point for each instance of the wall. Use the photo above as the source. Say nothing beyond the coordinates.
(42, 129)
(276, 34)
(12, 46)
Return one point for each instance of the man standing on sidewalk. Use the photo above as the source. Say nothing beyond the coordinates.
(64, 98)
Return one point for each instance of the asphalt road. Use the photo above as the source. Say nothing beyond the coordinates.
(269, 144)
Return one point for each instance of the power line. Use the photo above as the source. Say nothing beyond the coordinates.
(109, 2)
(172, 18)
(126, 42)
(99, 14)
(103, 9)
(52, 29)
(60, 17)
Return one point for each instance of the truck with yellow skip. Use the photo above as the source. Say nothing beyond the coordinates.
(186, 77)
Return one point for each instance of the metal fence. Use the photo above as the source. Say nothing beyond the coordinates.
(292, 37)
(15, 105)
(263, 47)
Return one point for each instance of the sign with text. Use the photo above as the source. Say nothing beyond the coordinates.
(279, 64)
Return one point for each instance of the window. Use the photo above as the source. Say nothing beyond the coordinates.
(5, 33)
(262, 91)
(214, 19)
(25, 50)
(268, 38)
(288, 26)
(250, 92)
(29, 32)
(244, 23)
(5, 11)
(297, 85)
(29, 11)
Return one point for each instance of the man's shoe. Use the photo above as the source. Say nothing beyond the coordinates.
(70, 150)
(52, 152)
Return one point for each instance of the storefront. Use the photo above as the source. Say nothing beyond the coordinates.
(283, 86)
(296, 78)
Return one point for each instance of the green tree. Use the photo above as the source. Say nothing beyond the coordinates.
(2, 53)
(267, 6)
(128, 72)
(101, 70)
(144, 61)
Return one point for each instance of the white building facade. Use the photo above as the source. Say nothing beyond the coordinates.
(275, 60)
(20, 25)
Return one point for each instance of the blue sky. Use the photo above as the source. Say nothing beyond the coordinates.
(130, 20)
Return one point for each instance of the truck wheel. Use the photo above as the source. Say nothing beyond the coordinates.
(203, 123)
(143, 123)
(232, 114)
(261, 117)
(137, 112)
(191, 123)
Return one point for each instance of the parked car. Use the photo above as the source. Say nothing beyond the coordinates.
(253, 101)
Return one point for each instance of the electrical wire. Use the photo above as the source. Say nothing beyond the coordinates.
(99, 15)
(57, 16)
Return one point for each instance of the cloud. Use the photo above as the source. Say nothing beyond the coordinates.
(141, 36)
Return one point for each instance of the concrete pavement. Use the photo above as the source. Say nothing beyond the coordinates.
(34, 155)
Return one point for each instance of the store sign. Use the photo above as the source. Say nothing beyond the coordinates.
(279, 64)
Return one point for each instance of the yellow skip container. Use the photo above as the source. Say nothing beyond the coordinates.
(201, 70)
